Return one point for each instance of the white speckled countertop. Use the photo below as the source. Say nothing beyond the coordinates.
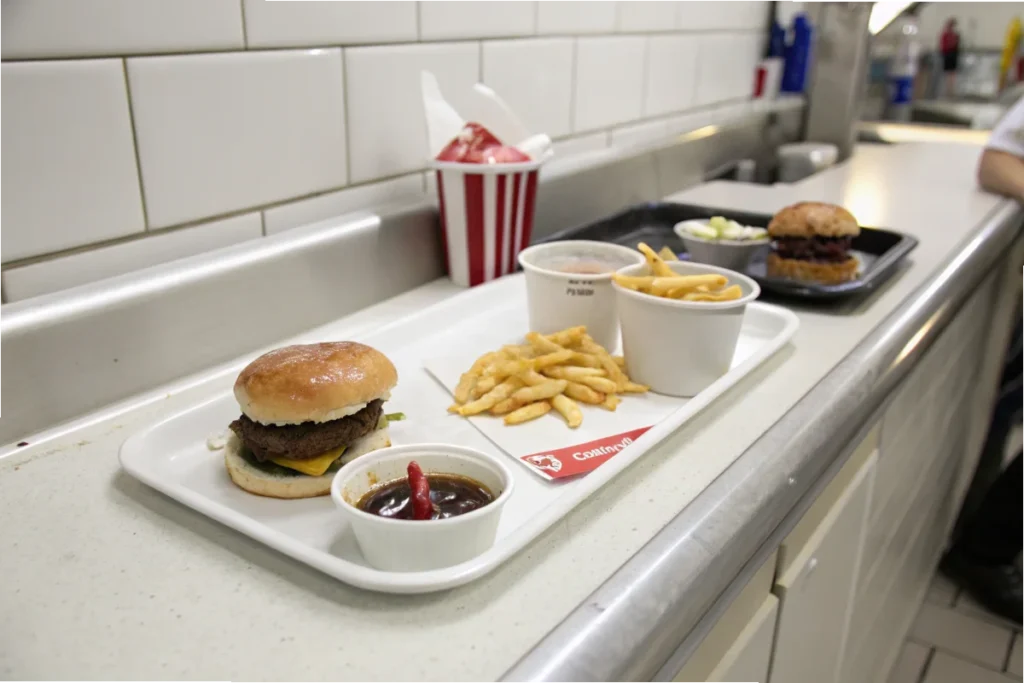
(105, 578)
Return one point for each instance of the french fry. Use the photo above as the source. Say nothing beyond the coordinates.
(552, 372)
(667, 254)
(542, 344)
(504, 407)
(602, 384)
(662, 285)
(527, 413)
(532, 378)
(638, 283)
(568, 409)
(585, 360)
(464, 389)
(584, 394)
(492, 397)
(656, 263)
(548, 359)
(727, 294)
(469, 378)
(573, 372)
(550, 388)
(568, 336)
(614, 371)
(507, 368)
(634, 388)
(484, 385)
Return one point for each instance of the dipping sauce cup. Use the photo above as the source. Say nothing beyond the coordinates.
(406, 545)
(679, 348)
(570, 283)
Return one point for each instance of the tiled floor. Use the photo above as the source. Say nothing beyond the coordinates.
(954, 640)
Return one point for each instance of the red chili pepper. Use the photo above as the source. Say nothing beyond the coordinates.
(422, 508)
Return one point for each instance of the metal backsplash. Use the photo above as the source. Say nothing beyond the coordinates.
(72, 352)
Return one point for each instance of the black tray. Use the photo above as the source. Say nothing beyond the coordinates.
(878, 250)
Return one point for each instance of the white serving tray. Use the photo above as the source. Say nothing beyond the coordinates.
(172, 456)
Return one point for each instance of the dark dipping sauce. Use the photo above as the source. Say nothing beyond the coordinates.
(451, 495)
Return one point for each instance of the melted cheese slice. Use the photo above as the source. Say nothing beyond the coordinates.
(314, 467)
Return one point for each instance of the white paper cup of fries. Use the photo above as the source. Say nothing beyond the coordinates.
(677, 346)
(569, 283)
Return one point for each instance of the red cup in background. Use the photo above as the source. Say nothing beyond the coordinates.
(487, 215)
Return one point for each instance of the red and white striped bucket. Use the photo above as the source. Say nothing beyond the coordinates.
(486, 217)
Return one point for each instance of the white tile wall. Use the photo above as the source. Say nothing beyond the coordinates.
(306, 211)
(441, 19)
(218, 133)
(671, 74)
(69, 271)
(69, 165)
(535, 78)
(78, 28)
(609, 81)
(576, 17)
(726, 64)
(387, 134)
(644, 15)
(219, 124)
(300, 24)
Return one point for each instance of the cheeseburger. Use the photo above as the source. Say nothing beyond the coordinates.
(306, 411)
(811, 241)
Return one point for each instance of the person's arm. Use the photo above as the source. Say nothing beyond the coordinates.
(1002, 173)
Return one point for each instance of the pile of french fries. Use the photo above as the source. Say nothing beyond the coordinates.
(549, 372)
(667, 284)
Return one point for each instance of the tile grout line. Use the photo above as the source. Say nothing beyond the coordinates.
(572, 84)
(644, 80)
(927, 665)
(245, 32)
(348, 118)
(957, 655)
(1009, 653)
(135, 146)
(380, 43)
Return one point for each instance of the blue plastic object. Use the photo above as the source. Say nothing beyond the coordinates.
(777, 42)
(798, 56)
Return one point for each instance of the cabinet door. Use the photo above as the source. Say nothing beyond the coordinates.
(748, 658)
(816, 590)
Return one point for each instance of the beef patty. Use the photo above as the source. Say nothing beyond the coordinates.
(830, 249)
(308, 439)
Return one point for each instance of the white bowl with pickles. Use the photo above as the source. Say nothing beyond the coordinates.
(721, 242)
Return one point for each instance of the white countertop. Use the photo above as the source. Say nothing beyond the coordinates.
(110, 579)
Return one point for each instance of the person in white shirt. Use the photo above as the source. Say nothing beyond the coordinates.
(1001, 169)
(983, 558)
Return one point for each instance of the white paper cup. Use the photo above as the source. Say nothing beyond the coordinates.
(486, 216)
(679, 348)
(557, 299)
(403, 545)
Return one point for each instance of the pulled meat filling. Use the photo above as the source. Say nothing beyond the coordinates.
(830, 249)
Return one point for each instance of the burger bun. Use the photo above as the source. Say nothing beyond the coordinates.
(813, 219)
(826, 273)
(313, 382)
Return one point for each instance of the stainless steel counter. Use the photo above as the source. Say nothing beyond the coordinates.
(125, 583)
(621, 631)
